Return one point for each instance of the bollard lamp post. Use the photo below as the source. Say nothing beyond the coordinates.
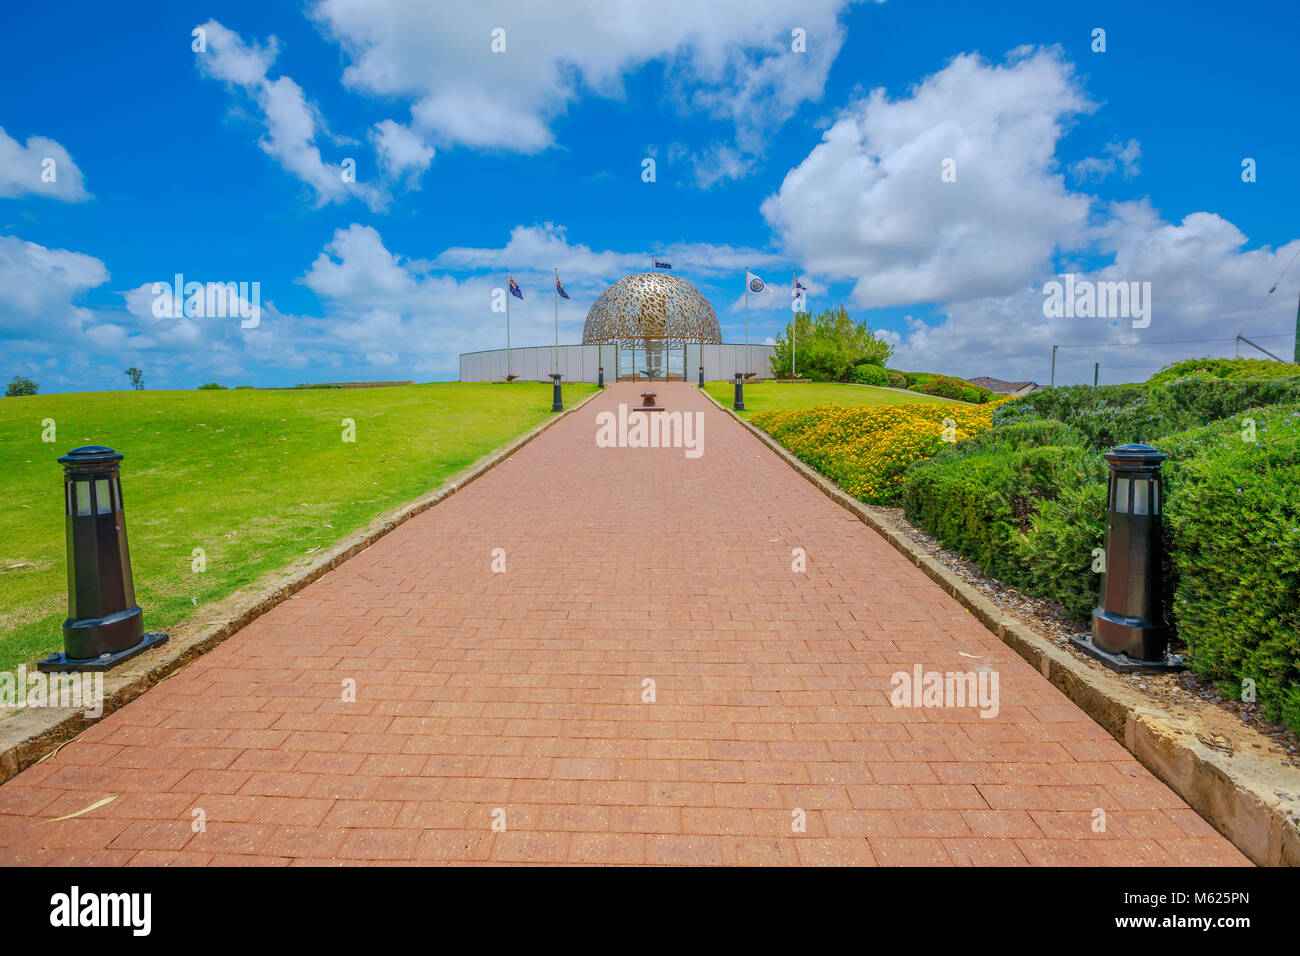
(557, 400)
(739, 403)
(601, 380)
(701, 376)
(1129, 631)
(105, 626)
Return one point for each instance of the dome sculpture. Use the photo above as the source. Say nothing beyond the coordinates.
(651, 309)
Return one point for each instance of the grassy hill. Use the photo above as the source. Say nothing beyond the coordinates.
(779, 396)
(257, 479)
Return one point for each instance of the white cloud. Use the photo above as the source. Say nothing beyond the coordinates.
(38, 289)
(728, 59)
(1203, 288)
(291, 123)
(533, 247)
(24, 170)
(720, 163)
(401, 152)
(548, 243)
(869, 204)
(381, 305)
(1121, 156)
(356, 267)
(393, 312)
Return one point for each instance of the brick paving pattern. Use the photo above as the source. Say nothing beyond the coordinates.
(484, 696)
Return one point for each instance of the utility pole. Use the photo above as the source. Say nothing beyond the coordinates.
(1053, 383)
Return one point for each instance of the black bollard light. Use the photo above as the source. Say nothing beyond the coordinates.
(601, 382)
(1129, 631)
(739, 403)
(557, 400)
(701, 376)
(105, 626)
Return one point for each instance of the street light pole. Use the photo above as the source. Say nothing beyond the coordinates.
(746, 320)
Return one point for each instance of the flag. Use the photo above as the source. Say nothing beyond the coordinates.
(754, 283)
(662, 265)
(514, 289)
(560, 289)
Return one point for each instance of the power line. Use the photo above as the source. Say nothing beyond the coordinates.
(1271, 290)
(1143, 345)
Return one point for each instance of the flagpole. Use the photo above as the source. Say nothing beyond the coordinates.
(508, 369)
(555, 356)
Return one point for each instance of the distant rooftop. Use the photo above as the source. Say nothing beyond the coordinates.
(998, 387)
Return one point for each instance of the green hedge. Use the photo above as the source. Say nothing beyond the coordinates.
(1027, 503)
(1025, 434)
(1025, 510)
(1224, 368)
(1119, 414)
(869, 374)
(948, 387)
(1232, 522)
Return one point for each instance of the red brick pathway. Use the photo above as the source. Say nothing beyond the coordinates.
(484, 695)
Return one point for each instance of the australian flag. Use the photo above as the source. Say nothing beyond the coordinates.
(560, 289)
(662, 265)
(515, 290)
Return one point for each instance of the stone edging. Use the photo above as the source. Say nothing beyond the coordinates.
(34, 733)
(1253, 803)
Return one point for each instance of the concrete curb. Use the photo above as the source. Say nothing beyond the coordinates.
(1250, 800)
(34, 733)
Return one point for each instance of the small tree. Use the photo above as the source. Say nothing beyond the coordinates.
(137, 378)
(828, 346)
(21, 386)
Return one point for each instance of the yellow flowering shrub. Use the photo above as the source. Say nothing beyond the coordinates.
(865, 450)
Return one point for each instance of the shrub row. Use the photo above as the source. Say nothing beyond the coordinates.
(1025, 502)
(1224, 368)
(1232, 526)
(957, 388)
(1025, 499)
(1119, 414)
(870, 374)
(866, 450)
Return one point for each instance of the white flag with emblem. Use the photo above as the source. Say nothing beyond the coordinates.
(753, 283)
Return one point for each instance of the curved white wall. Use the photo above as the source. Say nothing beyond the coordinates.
(579, 363)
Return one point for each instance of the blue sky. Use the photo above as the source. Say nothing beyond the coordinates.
(225, 166)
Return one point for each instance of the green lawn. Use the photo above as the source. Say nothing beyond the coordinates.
(769, 396)
(258, 479)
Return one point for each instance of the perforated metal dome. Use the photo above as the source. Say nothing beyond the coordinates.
(651, 306)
